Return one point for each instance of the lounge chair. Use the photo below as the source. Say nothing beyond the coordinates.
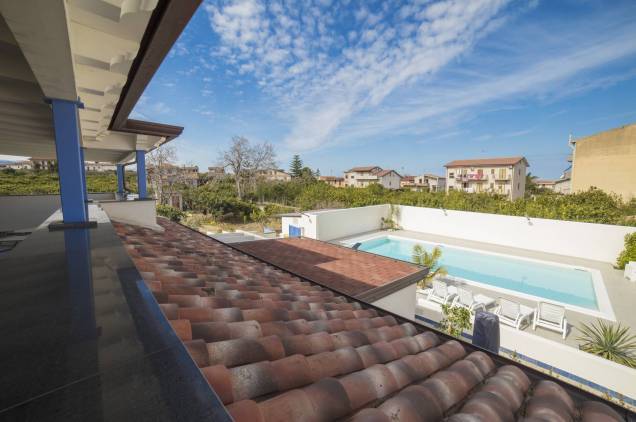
(441, 292)
(513, 313)
(466, 299)
(552, 317)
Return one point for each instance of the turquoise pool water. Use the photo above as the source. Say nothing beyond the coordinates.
(562, 284)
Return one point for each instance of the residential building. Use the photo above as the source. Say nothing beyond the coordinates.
(407, 182)
(362, 177)
(336, 182)
(99, 167)
(170, 173)
(502, 175)
(431, 182)
(274, 175)
(564, 183)
(17, 165)
(547, 184)
(607, 161)
(215, 172)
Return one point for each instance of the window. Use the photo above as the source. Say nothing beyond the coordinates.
(518, 186)
(502, 173)
(451, 175)
(492, 171)
(519, 172)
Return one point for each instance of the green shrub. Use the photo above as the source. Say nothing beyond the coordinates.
(612, 342)
(456, 319)
(172, 213)
(629, 253)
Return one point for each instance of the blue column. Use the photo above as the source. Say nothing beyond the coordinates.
(141, 173)
(69, 160)
(84, 185)
(120, 179)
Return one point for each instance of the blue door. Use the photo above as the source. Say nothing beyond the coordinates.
(294, 231)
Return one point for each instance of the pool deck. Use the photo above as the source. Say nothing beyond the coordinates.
(621, 292)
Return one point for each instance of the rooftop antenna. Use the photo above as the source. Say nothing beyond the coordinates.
(571, 141)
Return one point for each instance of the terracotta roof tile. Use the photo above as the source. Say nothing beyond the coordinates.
(275, 347)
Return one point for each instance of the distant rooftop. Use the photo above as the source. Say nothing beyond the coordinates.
(363, 168)
(482, 162)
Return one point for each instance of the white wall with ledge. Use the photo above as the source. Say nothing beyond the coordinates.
(599, 242)
(138, 213)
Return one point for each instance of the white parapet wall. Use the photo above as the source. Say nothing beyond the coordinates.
(138, 213)
(599, 242)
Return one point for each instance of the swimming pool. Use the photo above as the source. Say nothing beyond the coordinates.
(531, 278)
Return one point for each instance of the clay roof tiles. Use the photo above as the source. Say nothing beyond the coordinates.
(499, 161)
(277, 348)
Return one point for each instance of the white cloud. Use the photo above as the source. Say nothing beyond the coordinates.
(343, 74)
(320, 89)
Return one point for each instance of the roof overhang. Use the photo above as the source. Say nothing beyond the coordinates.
(105, 53)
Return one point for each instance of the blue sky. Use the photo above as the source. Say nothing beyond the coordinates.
(405, 85)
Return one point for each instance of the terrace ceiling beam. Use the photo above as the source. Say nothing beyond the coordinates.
(40, 28)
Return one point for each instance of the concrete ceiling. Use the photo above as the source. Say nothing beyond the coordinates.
(68, 49)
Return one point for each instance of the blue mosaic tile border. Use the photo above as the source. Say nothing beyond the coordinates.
(597, 387)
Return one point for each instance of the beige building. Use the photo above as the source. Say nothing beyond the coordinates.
(99, 167)
(215, 172)
(274, 175)
(336, 182)
(424, 182)
(502, 176)
(362, 177)
(606, 161)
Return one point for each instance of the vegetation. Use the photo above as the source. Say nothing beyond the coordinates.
(390, 222)
(245, 160)
(629, 253)
(296, 166)
(172, 213)
(612, 342)
(27, 182)
(592, 206)
(455, 320)
(429, 260)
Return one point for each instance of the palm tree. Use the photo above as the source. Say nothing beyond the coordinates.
(612, 342)
(429, 260)
(530, 185)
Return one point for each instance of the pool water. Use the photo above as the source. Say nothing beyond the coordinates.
(556, 283)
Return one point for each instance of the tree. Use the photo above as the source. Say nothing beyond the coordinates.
(244, 160)
(531, 186)
(163, 173)
(296, 166)
(429, 260)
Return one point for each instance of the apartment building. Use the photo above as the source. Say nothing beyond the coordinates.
(431, 182)
(607, 161)
(274, 175)
(96, 166)
(336, 182)
(502, 175)
(215, 172)
(173, 174)
(362, 177)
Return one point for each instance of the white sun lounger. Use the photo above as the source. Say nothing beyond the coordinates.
(466, 299)
(441, 292)
(513, 313)
(552, 317)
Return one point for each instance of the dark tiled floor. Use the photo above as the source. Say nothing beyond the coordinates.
(343, 269)
(83, 339)
(277, 348)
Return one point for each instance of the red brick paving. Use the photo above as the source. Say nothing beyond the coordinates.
(343, 269)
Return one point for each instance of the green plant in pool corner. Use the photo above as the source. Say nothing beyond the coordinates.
(390, 222)
(612, 342)
(629, 253)
(456, 319)
(430, 260)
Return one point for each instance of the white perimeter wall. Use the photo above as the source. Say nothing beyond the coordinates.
(138, 213)
(600, 242)
(334, 224)
(401, 302)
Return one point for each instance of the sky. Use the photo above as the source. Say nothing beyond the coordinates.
(407, 85)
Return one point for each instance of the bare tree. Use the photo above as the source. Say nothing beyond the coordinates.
(245, 160)
(164, 174)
